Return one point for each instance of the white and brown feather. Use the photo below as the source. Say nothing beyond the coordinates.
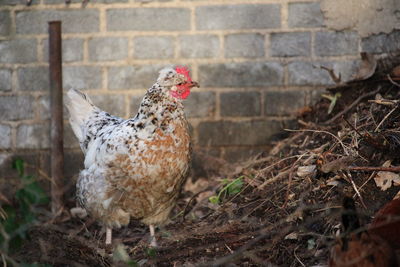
(136, 167)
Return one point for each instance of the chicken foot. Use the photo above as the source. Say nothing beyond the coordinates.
(108, 236)
(153, 241)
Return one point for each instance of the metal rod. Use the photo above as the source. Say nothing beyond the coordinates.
(56, 111)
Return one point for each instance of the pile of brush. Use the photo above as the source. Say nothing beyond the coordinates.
(347, 146)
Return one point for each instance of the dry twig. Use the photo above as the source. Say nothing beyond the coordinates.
(321, 131)
(297, 258)
(353, 184)
(385, 102)
(391, 80)
(331, 72)
(372, 169)
(385, 118)
(352, 105)
(185, 211)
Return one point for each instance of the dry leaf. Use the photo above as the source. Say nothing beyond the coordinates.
(387, 163)
(396, 71)
(334, 181)
(199, 185)
(384, 180)
(367, 67)
(303, 171)
(303, 110)
(204, 195)
(292, 236)
(337, 165)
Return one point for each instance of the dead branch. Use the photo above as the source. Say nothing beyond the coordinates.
(321, 131)
(185, 211)
(352, 126)
(391, 80)
(352, 105)
(384, 119)
(297, 258)
(267, 168)
(385, 102)
(369, 179)
(331, 72)
(292, 168)
(281, 174)
(372, 169)
(353, 184)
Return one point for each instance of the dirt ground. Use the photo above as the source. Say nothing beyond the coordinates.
(281, 208)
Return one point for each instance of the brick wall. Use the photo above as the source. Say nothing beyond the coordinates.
(254, 60)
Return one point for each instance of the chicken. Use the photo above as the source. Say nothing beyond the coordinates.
(357, 247)
(134, 168)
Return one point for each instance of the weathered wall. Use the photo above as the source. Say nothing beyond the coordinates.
(367, 17)
(253, 58)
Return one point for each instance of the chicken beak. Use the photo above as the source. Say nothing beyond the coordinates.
(194, 84)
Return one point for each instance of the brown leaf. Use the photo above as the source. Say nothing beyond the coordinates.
(337, 165)
(384, 179)
(303, 171)
(367, 67)
(199, 185)
(395, 71)
(292, 236)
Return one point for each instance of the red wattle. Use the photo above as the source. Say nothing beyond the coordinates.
(183, 90)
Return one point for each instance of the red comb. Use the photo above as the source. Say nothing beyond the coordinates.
(184, 89)
(183, 70)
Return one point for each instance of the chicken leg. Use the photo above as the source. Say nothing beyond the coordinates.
(108, 236)
(153, 241)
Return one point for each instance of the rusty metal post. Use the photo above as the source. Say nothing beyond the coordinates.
(56, 111)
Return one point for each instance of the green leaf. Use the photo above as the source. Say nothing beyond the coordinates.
(132, 263)
(31, 194)
(15, 243)
(235, 187)
(35, 193)
(18, 164)
(230, 188)
(310, 244)
(225, 181)
(151, 252)
(333, 100)
(120, 254)
(21, 217)
(214, 199)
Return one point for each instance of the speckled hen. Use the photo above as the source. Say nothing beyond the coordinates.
(134, 168)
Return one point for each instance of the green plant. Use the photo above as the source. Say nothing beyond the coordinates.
(121, 255)
(21, 215)
(333, 99)
(230, 188)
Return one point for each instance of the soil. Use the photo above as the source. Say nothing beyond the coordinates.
(288, 207)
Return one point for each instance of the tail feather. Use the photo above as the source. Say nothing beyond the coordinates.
(80, 108)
